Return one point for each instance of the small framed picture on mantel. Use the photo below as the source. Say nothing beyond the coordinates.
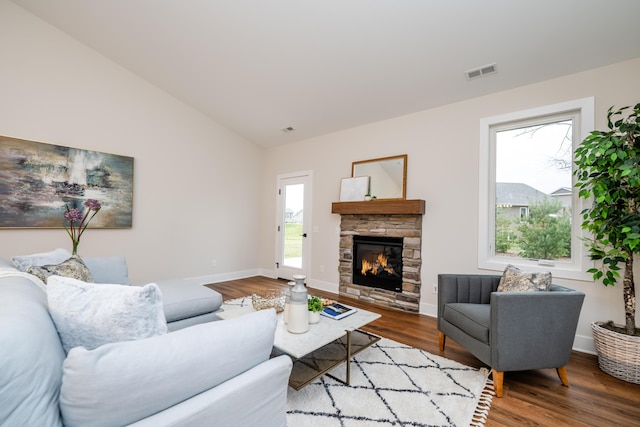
(354, 189)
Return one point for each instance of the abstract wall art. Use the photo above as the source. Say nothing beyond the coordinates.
(38, 181)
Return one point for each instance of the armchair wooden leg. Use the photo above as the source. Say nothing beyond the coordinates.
(441, 340)
(562, 373)
(498, 378)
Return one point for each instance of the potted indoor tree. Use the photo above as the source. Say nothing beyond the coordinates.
(608, 173)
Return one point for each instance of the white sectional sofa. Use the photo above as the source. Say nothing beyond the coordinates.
(212, 373)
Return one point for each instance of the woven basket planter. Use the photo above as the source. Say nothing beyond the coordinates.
(618, 354)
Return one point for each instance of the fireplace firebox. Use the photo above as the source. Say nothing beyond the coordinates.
(377, 262)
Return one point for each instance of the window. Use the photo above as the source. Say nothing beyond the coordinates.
(529, 216)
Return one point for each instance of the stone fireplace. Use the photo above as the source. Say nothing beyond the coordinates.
(377, 221)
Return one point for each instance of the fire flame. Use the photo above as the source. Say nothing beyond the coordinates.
(379, 265)
(366, 266)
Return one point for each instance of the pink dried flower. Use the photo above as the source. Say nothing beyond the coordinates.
(92, 204)
(74, 216)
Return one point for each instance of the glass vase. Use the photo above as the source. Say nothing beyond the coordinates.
(74, 250)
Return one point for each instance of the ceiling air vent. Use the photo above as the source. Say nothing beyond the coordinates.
(481, 71)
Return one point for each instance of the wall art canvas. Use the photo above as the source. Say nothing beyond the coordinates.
(354, 189)
(38, 180)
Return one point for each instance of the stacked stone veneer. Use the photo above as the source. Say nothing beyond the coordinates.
(409, 227)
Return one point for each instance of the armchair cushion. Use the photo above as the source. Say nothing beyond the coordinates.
(121, 383)
(515, 280)
(474, 319)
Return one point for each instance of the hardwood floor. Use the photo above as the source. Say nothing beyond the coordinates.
(531, 398)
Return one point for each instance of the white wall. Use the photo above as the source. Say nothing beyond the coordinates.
(203, 193)
(442, 147)
(195, 192)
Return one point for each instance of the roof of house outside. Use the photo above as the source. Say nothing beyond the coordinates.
(562, 191)
(517, 194)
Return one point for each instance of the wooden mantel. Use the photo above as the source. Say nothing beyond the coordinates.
(380, 207)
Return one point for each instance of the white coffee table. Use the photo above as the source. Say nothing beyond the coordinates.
(326, 345)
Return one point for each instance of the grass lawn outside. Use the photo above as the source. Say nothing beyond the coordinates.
(292, 240)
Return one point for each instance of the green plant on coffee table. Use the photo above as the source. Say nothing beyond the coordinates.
(315, 304)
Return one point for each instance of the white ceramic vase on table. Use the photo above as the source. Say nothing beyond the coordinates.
(298, 314)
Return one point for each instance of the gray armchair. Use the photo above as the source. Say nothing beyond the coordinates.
(508, 331)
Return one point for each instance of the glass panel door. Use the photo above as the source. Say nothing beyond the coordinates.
(293, 225)
(292, 234)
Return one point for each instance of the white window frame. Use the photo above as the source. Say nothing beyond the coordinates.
(584, 123)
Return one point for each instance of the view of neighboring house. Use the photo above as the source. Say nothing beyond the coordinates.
(288, 214)
(291, 216)
(513, 199)
(514, 202)
(563, 195)
(297, 217)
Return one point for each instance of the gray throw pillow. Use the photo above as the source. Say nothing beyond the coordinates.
(73, 268)
(515, 280)
(108, 269)
(56, 256)
(90, 315)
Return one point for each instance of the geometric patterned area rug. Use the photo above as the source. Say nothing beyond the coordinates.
(393, 384)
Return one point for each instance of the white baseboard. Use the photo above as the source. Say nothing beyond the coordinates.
(584, 344)
(215, 278)
(429, 309)
(267, 273)
(324, 286)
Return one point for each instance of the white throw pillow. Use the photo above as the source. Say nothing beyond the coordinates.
(56, 256)
(90, 315)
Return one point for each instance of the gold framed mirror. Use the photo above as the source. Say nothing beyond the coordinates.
(388, 176)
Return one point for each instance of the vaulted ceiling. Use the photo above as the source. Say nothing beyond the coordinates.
(259, 66)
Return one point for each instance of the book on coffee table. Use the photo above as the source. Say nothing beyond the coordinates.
(337, 311)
